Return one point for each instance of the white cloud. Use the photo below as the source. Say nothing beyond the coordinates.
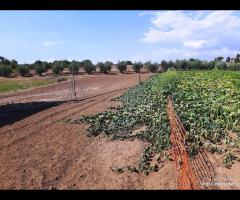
(196, 44)
(51, 43)
(196, 29)
(174, 53)
(139, 57)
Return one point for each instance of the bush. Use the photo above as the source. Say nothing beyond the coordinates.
(171, 69)
(233, 66)
(60, 79)
(73, 68)
(122, 66)
(88, 66)
(40, 69)
(5, 70)
(237, 66)
(220, 65)
(137, 66)
(23, 70)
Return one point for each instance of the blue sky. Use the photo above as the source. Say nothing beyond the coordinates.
(118, 35)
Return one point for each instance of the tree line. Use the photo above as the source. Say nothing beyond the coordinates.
(7, 67)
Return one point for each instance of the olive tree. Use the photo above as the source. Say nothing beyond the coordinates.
(122, 66)
(220, 65)
(23, 70)
(40, 69)
(137, 66)
(88, 66)
(73, 68)
(5, 70)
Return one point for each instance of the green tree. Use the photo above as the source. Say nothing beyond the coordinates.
(171, 64)
(122, 66)
(105, 67)
(228, 59)
(88, 66)
(152, 67)
(237, 59)
(57, 68)
(73, 68)
(129, 62)
(40, 68)
(23, 70)
(219, 58)
(137, 66)
(164, 65)
(5, 70)
(220, 65)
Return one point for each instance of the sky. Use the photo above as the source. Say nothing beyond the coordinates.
(28, 36)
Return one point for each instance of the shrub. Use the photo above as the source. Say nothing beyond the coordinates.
(237, 66)
(73, 68)
(233, 66)
(220, 65)
(5, 70)
(23, 70)
(171, 69)
(40, 69)
(60, 79)
(137, 66)
(122, 66)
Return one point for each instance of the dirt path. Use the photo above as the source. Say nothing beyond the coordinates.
(36, 152)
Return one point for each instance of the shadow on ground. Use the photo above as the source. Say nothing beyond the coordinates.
(12, 113)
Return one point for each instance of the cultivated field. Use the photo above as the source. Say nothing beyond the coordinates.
(113, 139)
(39, 153)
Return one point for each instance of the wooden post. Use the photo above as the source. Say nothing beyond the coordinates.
(73, 86)
(139, 77)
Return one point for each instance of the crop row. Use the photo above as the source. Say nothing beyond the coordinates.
(207, 103)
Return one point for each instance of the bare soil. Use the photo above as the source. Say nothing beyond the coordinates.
(37, 152)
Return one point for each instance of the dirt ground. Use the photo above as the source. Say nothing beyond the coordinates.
(37, 152)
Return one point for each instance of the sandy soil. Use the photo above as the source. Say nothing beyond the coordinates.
(37, 152)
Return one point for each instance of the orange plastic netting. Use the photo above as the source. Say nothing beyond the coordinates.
(186, 179)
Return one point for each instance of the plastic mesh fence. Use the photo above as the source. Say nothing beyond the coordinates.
(191, 172)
